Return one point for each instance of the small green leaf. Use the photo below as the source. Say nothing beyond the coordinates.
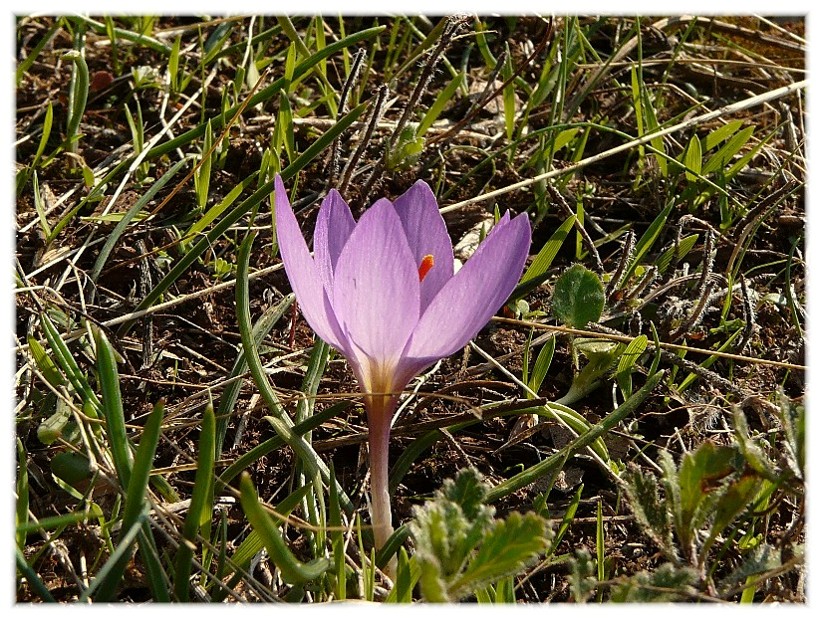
(468, 491)
(55, 425)
(684, 247)
(578, 297)
(649, 510)
(693, 159)
(542, 365)
(88, 176)
(536, 274)
(582, 580)
(759, 560)
(701, 472)
(630, 355)
(509, 547)
(564, 138)
(736, 499)
(721, 134)
(70, 467)
(668, 583)
(723, 156)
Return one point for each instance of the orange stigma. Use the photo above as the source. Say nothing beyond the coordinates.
(425, 266)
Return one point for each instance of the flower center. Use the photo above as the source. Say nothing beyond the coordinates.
(425, 266)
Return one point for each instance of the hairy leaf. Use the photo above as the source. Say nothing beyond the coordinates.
(578, 297)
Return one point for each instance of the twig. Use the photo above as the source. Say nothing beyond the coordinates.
(664, 345)
(732, 108)
(352, 78)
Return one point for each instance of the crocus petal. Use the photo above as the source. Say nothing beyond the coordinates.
(426, 235)
(303, 274)
(471, 297)
(333, 227)
(376, 287)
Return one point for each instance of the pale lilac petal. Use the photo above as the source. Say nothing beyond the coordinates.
(471, 297)
(333, 227)
(376, 286)
(303, 274)
(426, 235)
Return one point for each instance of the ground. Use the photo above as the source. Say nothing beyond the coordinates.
(696, 236)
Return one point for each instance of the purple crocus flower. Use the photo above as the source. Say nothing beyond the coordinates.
(383, 292)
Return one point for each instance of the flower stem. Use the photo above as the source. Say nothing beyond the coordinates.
(379, 414)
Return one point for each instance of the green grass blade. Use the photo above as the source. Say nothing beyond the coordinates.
(21, 510)
(266, 93)
(109, 576)
(242, 209)
(253, 542)
(307, 456)
(684, 247)
(45, 363)
(522, 479)
(51, 523)
(229, 396)
(48, 123)
(317, 363)
(127, 35)
(135, 503)
(154, 571)
(112, 407)
(408, 573)
(280, 421)
(202, 177)
(276, 442)
(293, 571)
(213, 213)
(566, 520)
(123, 223)
(723, 156)
(337, 540)
(599, 541)
(726, 345)
(536, 274)
(576, 422)
(721, 134)
(444, 97)
(200, 507)
(38, 205)
(648, 238)
(66, 361)
(32, 56)
(78, 97)
(32, 578)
